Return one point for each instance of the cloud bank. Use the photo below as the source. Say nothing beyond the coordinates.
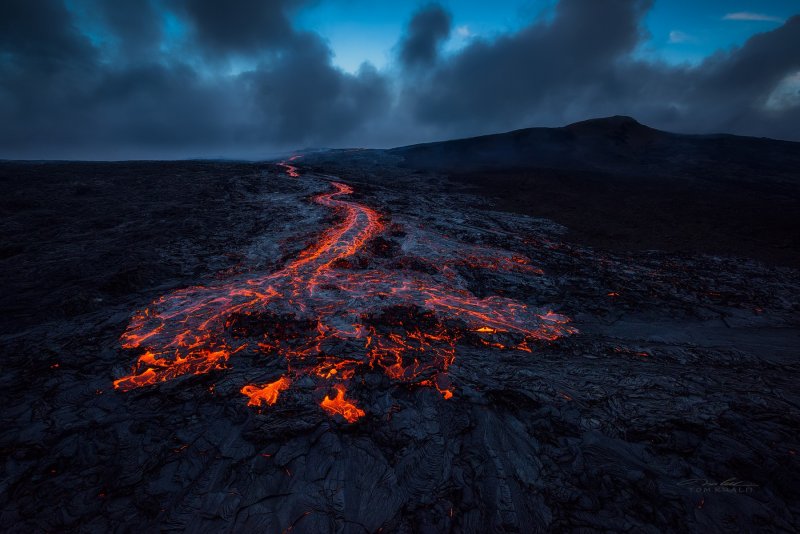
(154, 79)
(746, 15)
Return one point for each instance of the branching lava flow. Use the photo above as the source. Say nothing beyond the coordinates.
(333, 322)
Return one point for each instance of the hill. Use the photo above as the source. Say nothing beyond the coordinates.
(618, 184)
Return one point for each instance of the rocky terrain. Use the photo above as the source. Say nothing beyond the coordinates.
(619, 185)
(364, 347)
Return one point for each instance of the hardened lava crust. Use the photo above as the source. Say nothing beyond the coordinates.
(220, 346)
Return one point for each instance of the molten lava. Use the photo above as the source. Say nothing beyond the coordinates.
(334, 323)
(266, 394)
(340, 405)
(290, 169)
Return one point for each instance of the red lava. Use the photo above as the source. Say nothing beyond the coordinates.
(290, 169)
(331, 322)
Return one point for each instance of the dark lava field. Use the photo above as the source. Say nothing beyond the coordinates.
(344, 343)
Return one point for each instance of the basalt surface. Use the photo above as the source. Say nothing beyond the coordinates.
(226, 347)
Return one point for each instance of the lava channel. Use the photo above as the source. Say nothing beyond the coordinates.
(335, 323)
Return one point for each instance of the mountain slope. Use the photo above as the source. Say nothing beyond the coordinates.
(617, 145)
(617, 184)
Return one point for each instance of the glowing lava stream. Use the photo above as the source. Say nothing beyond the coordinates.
(290, 169)
(333, 322)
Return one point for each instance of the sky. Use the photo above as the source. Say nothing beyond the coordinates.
(100, 79)
(679, 30)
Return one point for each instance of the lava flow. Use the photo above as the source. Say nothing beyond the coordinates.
(339, 311)
(290, 169)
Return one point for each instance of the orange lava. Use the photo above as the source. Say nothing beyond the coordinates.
(333, 322)
(340, 405)
(266, 394)
(290, 169)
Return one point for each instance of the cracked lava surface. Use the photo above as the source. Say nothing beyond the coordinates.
(332, 314)
(684, 370)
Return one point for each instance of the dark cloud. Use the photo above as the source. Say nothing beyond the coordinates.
(301, 98)
(63, 97)
(95, 79)
(581, 64)
(40, 34)
(731, 90)
(428, 28)
(548, 68)
(132, 28)
(241, 27)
